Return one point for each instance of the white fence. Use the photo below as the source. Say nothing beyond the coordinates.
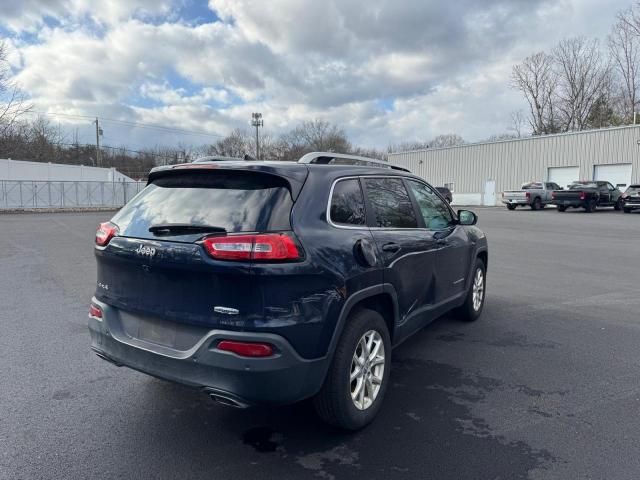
(40, 171)
(27, 194)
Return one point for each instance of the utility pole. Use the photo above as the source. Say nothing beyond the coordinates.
(98, 133)
(256, 121)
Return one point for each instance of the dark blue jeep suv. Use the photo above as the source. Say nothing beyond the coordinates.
(273, 282)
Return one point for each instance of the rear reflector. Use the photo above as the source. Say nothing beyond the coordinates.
(246, 349)
(95, 311)
(106, 231)
(260, 247)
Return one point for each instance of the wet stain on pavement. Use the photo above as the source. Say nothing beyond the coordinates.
(262, 439)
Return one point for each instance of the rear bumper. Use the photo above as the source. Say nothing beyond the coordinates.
(281, 379)
(569, 203)
(632, 205)
(514, 201)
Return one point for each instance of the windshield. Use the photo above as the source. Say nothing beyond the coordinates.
(230, 201)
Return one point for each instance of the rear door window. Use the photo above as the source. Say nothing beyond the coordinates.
(347, 203)
(390, 202)
(236, 201)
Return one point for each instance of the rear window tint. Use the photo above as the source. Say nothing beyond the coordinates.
(347, 203)
(392, 207)
(633, 189)
(235, 201)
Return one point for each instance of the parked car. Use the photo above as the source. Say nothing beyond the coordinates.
(271, 282)
(588, 195)
(446, 193)
(631, 199)
(536, 195)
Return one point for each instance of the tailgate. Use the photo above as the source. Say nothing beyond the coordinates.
(156, 265)
(178, 282)
(515, 195)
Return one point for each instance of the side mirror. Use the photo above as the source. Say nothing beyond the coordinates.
(467, 217)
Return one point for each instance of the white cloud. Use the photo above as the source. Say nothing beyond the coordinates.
(443, 65)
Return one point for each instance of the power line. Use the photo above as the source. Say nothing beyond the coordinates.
(141, 152)
(134, 124)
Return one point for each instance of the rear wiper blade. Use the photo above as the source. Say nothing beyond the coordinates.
(176, 228)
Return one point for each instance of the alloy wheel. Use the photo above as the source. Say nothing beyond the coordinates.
(478, 289)
(367, 369)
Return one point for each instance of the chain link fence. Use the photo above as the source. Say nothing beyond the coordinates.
(28, 194)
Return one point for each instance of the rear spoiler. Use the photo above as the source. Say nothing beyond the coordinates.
(295, 177)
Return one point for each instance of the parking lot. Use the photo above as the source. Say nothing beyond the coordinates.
(544, 385)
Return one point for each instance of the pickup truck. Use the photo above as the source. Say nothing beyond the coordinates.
(534, 194)
(588, 195)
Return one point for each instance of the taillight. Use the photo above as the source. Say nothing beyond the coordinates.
(95, 311)
(259, 247)
(528, 195)
(246, 349)
(583, 195)
(553, 195)
(106, 231)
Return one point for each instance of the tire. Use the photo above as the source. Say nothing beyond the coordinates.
(626, 210)
(471, 311)
(511, 207)
(562, 208)
(537, 204)
(591, 206)
(334, 403)
(618, 205)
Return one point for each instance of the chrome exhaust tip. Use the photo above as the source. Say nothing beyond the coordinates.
(227, 401)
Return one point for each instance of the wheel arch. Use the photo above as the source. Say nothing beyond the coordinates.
(380, 298)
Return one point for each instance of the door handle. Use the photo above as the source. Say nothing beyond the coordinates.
(391, 247)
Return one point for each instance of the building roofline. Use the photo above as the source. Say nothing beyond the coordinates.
(522, 139)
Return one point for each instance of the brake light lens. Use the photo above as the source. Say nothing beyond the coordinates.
(246, 349)
(528, 195)
(583, 195)
(260, 247)
(106, 231)
(553, 195)
(95, 311)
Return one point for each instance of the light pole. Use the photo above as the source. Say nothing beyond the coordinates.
(256, 121)
(98, 133)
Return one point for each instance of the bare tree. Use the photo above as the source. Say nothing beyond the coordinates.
(624, 48)
(447, 140)
(315, 135)
(536, 78)
(12, 100)
(236, 144)
(517, 123)
(583, 81)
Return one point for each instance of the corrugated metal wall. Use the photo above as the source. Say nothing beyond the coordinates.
(513, 162)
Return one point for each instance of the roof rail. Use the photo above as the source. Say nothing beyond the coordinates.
(325, 158)
(220, 158)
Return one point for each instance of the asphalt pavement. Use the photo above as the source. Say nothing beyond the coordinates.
(546, 385)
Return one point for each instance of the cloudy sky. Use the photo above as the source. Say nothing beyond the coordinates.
(385, 70)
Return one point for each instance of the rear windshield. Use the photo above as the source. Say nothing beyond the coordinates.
(532, 186)
(580, 185)
(633, 189)
(234, 201)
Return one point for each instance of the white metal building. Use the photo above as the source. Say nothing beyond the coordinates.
(478, 173)
(39, 171)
